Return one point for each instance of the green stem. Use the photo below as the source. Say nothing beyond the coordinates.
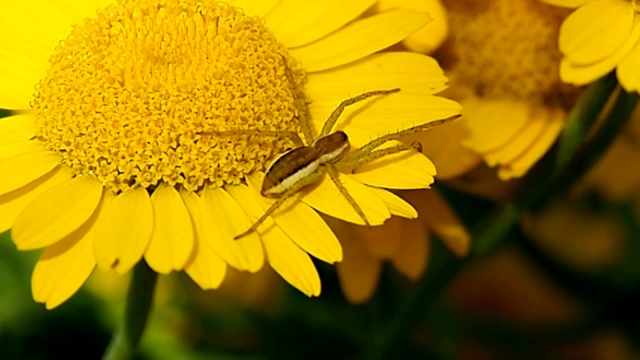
(443, 270)
(138, 306)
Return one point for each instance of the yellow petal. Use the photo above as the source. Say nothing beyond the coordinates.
(568, 3)
(382, 241)
(443, 146)
(203, 266)
(290, 262)
(540, 146)
(387, 114)
(56, 213)
(412, 255)
(521, 141)
(123, 230)
(255, 8)
(435, 211)
(222, 219)
(358, 272)
(347, 45)
(21, 147)
(405, 170)
(312, 19)
(18, 171)
(285, 257)
(595, 31)
(12, 203)
(17, 128)
(629, 72)
(396, 205)
(326, 198)
(581, 75)
(485, 130)
(302, 224)
(412, 73)
(63, 267)
(43, 23)
(20, 74)
(429, 37)
(171, 241)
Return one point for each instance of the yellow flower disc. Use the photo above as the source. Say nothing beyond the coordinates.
(128, 93)
(508, 50)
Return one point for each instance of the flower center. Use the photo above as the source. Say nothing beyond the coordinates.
(128, 93)
(508, 50)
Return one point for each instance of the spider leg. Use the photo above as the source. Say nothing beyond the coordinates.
(359, 159)
(279, 201)
(291, 135)
(373, 144)
(335, 176)
(331, 121)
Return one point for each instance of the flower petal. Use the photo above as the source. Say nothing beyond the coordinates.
(443, 221)
(326, 198)
(629, 72)
(412, 255)
(285, 257)
(18, 171)
(358, 272)
(312, 19)
(443, 146)
(123, 230)
(396, 205)
(347, 45)
(539, 147)
(12, 203)
(64, 266)
(256, 8)
(521, 141)
(386, 114)
(568, 3)
(56, 213)
(20, 74)
(20, 148)
(405, 170)
(412, 73)
(581, 75)
(171, 241)
(17, 128)
(595, 31)
(43, 23)
(302, 224)
(222, 219)
(204, 266)
(485, 130)
(429, 37)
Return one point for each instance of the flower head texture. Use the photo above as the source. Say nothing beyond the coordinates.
(107, 161)
(600, 36)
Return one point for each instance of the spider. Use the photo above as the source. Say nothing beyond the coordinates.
(307, 164)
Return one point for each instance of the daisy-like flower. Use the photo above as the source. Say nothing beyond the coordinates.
(598, 37)
(106, 163)
(502, 59)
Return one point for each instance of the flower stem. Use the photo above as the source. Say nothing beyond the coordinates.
(137, 308)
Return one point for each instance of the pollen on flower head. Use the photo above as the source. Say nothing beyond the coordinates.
(508, 50)
(128, 93)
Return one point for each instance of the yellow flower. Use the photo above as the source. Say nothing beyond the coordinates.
(502, 59)
(105, 163)
(403, 242)
(598, 37)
